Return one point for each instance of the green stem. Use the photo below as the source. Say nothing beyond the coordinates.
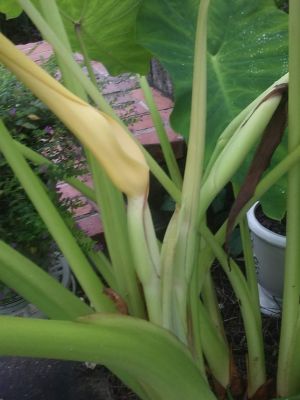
(169, 285)
(104, 267)
(250, 267)
(195, 341)
(292, 374)
(64, 53)
(99, 260)
(85, 54)
(206, 257)
(38, 287)
(86, 276)
(195, 154)
(38, 159)
(92, 91)
(291, 290)
(210, 301)
(52, 16)
(161, 133)
(146, 255)
(162, 177)
(215, 348)
(113, 215)
(256, 361)
(186, 240)
(249, 262)
(112, 198)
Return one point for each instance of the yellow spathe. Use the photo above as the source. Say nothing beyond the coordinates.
(115, 150)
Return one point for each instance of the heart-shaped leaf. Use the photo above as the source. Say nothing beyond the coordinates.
(108, 31)
(247, 51)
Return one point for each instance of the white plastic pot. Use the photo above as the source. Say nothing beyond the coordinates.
(268, 252)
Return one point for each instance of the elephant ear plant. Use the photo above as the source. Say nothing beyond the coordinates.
(150, 314)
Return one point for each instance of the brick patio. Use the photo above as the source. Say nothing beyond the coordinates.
(127, 99)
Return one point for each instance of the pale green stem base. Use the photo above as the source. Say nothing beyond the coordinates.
(146, 255)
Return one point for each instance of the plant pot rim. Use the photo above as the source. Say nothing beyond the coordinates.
(262, 232)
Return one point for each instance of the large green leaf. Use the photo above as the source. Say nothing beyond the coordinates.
(108, 31)
(10, 8)
(107, 28)
(167, 28)
(247, 51)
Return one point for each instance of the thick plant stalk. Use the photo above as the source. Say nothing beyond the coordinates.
(291, 291)
(186, 241)
(169, 283)
(140, 349)
(146, 255)
(195, 155)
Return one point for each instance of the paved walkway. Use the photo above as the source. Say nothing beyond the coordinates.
(127, 99)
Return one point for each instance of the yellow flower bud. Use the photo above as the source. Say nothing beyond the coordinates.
(112, 146)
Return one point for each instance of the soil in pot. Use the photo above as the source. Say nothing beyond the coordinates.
(278, 227)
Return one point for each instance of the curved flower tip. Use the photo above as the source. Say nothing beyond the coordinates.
(109, 142)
